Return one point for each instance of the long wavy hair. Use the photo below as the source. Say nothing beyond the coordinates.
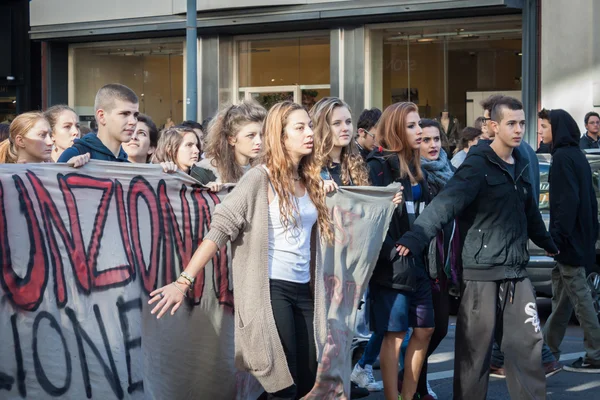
(275, 157)
(224, 126)
(392, 137)
(19, 126)
(353, 167)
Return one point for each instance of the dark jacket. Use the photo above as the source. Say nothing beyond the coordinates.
(534, 165)
(333, 173)
(544, 148)
(384, 169)
(573, 204)
(364, 153)
(91, 144)
(496, 214)
(586, 142)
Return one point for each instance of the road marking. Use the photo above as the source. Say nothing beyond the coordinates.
(436, 376)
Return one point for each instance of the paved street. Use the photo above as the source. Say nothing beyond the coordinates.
(563, 386)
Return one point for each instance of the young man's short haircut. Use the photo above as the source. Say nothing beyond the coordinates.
(106, 96)
(192, 124)
(430, 123)
(368, 119)
(589, 115)
(544, 114)
(505, 101)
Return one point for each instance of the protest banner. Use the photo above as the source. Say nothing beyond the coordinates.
(80, 251)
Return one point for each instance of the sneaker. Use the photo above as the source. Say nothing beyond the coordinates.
(364, 378)
(357, 392)
(497, 372)
(582, 366)
(552, 368)
(431, 392)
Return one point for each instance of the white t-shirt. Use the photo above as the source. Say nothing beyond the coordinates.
(289, 249)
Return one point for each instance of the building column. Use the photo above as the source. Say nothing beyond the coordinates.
(570, 57)
(347, 71)
(530, 70)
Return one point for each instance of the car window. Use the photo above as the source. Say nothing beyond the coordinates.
(544, 201)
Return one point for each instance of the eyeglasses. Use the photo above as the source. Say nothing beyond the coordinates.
(486, 119)
(594, 123)
(369, 133)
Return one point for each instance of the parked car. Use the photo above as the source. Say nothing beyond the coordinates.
(540, 266)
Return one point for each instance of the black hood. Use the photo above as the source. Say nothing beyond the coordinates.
(565, 131)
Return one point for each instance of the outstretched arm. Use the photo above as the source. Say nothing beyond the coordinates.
(457, 195)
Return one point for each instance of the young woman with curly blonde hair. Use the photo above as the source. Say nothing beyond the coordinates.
(274, 218)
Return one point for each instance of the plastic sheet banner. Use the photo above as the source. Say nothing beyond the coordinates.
(81, 249)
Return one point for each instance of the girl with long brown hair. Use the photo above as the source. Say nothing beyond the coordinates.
(399, 290)
(232, 145)
(341, 161)
(273, 217)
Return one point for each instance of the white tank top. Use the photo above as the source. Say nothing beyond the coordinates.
(289, 249)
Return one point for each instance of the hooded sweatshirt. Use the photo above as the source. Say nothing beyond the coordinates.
(90, 143)
(573, 204)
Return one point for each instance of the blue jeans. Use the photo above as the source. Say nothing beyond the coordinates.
(372, 350)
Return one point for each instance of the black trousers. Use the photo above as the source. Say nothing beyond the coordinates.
(441, 309)
(293, 309)
(506, 310)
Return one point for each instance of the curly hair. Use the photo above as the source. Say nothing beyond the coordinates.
(353, 168)
(281, 169)
(224, 126)
(391, 132)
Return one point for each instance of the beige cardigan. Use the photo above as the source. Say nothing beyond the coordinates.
(242, 218)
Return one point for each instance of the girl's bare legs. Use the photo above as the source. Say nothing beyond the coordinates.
(413, 361)
(388, 359)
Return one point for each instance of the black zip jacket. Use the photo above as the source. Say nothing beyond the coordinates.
(586, 142)
(384, 169)
(573, 204)
(496, 214)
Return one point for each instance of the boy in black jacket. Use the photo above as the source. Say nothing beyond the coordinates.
(492, 196)
(574, 229)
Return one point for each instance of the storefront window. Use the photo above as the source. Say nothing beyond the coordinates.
(447, 66)
(152, 69)
(274, 70)
(8, 104)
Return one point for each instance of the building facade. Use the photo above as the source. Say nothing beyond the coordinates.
(20, 71)
(444, 55)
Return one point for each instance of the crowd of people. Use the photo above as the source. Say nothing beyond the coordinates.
(463, 218)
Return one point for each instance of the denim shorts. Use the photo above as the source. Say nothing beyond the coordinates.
(393, 310)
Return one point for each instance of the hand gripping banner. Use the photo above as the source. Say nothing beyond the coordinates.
(81, 249)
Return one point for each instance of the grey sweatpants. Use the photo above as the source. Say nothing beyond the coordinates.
(570, 291)
(514, 323)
